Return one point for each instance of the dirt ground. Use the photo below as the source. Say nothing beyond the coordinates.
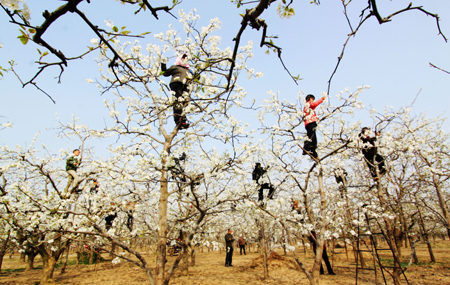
(247, 269)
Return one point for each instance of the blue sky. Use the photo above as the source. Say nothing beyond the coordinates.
(392, 58)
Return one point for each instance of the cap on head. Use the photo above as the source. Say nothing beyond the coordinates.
(309, 96)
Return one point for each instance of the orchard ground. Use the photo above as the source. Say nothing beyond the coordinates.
(247, 269)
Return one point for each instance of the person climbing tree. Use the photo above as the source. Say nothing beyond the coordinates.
(72, 164)
(370, 152)
(177, 170)
(180, 73)
(258, 172)
(109, 220)
(341, 179)
(130, 219)
(310, 146)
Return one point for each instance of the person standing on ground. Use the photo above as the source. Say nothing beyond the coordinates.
(310, 146)
(72, 164)
(242, 243)
(229, 248)
(312, 238)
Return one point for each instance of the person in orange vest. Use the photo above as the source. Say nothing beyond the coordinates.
(311, 119)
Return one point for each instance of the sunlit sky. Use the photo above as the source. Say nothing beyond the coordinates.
(392, 58)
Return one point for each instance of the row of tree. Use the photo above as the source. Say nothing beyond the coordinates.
(40, 215)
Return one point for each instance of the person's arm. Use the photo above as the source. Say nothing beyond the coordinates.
(316, 103)
(169, 72)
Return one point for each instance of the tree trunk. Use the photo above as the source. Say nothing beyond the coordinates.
(22, 257)
(162, 232)
(442, 203)
(390, 236)
(3, 250)
(30, 260)
(47, 270)
(425, 234)
(264, 252)
(63, 268)
(193, 255)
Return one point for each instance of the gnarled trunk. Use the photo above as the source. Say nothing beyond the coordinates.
(30, 260)
(48, 269)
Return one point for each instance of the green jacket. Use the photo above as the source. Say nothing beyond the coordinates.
(70, 163)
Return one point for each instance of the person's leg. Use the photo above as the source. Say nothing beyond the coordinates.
(75, 178)
(311, 143)
(327, 262)
(271, 191)
(228, 258)
(369, 157)
(380, 162)
(260, 193)
(244, 249)
(231, 256)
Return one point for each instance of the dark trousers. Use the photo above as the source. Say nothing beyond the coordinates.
(311, 144)
(327, 262)
(242, 247)
(229, 257)
(178, 107)
(261, 191)
(372, 160)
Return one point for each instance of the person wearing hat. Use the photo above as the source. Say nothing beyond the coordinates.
(310, 146)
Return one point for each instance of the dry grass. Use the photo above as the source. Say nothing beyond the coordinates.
(247, 269)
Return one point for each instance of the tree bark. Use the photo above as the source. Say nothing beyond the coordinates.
(30, 260)
(47, 270)
(162, 231)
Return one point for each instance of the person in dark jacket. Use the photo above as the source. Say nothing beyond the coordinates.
(180, 73)
(310, 146)
(177, 170)
(72, 164)
(229, 239)
(341, 179)
(257, 173)
(313, 240)
(369, 150)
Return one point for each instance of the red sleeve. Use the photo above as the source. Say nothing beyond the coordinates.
(316, 103)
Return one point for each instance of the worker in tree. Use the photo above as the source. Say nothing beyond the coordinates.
(310, 146)
(72, 164)
(95, 186)
(341, 179)
(258, 172)
(177, 170)
(371, 156)
(130, 219)
(109, 220)
(181, 74)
